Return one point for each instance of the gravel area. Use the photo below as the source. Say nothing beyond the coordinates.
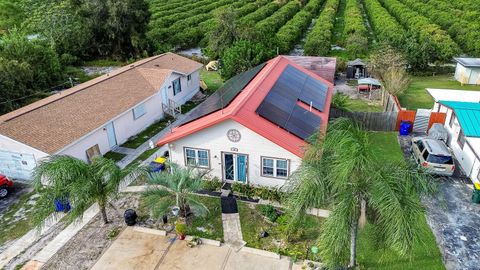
(84, 249)
(453, 218)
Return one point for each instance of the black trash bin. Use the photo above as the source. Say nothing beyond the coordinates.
(130, 217)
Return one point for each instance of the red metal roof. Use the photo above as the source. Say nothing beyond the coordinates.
(242, 110)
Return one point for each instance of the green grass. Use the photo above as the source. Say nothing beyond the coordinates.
(14, 230)
(212, 79)
(114, 156)
(425, 254)
(148, 133)
(360, 105)
(386, 145)
(212, 222)
(253, 223)
(417, 97)
(79, 75)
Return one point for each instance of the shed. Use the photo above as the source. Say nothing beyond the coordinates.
(356, 69)
(468, 70)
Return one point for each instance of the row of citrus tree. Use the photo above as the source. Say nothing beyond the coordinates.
(290, 33)
(319, 39)
(355, 32)
(465, 31)
(440, 46)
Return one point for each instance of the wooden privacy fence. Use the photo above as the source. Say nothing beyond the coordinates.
(374, 121)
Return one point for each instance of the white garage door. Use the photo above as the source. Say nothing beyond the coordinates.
(16, 165)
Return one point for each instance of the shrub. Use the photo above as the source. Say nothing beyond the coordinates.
(270, 212)
(212, 184)
(180, 228)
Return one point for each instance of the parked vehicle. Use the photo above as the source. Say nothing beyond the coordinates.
(433, 155)
(5, 185)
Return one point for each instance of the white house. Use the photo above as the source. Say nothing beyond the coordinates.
(463, 125)
(451, 95)
(253, 129)
(468, 70)
(96, 116)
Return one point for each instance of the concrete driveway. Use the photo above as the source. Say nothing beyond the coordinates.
(453, 218)
(144, 251)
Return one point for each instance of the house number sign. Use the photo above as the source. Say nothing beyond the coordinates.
(234, 135)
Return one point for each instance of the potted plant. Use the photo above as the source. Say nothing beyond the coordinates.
(181, 229)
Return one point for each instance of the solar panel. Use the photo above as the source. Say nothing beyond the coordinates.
(314, 93)
(223, 96)
(303, 123)
(280, 105)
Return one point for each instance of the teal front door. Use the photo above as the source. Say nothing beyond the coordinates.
(235, 167)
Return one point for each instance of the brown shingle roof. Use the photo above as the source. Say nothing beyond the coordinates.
(59, 120)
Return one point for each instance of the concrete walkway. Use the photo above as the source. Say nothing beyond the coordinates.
(232, 231)
(144, 251)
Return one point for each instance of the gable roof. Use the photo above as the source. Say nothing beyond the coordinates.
(243, 109)
(356, 62)
(468, 62)
(468, 114)
(55, 122)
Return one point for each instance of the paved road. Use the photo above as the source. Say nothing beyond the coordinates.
(16, 192)
(454, 219)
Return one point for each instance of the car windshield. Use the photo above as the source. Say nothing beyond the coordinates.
(440, 159)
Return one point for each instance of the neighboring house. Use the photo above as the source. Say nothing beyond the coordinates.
(451, 95)
(96, 116)
(253, 129)
(468, 70)
(463, 126)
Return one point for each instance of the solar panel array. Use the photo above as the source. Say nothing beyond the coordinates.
(224, 95)
(280, 105)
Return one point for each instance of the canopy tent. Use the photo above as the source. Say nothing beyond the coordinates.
(369, 81)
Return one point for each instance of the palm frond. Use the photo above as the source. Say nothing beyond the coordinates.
(197, 207)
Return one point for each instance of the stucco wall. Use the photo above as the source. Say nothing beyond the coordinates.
(126, 126)
(215, 140)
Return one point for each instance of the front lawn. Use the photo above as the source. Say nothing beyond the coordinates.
(209, 227)
(417, 97)
(253, 223)
(386, 145)
(148, 133)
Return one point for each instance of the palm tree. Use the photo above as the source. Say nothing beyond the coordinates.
(175, 189)
(342, 172)
(82, 184)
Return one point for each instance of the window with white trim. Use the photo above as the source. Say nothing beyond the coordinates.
(189, 77)
(275, 167)
(139, 111)
(452, 119)
(197, 157)
(177, 87)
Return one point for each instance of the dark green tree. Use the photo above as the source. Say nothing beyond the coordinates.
(224, 32)
(243, 55)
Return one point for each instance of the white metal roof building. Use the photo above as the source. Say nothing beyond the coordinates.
(468, 70)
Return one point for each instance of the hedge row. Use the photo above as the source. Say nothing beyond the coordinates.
(465, 33)
(265, 29)
(178, 33)
(443, 47)
(386, 28)
(166, 21)
(183, 7)
(319, 39)
(293, 30)
(162, 5)
(260, 13)
(354, 23)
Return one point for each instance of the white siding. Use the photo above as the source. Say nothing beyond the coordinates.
(467, 75)
(189, 88)
(215, 140)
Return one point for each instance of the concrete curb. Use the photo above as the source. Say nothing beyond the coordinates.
(150, 231)
(260, 252)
